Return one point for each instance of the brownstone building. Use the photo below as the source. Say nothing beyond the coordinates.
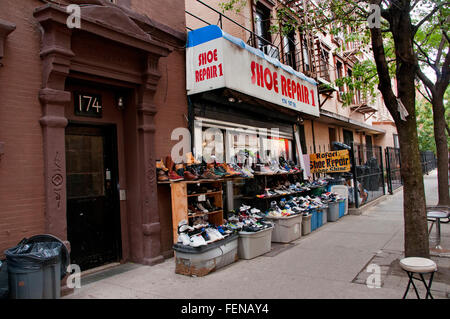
(84, 114)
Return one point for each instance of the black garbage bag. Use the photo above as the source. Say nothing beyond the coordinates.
(38, 251)
(32, 256)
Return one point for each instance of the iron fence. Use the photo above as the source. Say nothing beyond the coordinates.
(368, 173)
(393, 165)
(428, 160)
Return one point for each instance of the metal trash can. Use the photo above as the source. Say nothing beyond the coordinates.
(36, 267)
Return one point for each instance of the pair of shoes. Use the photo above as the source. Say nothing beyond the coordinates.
(209, 173)
(161, 171)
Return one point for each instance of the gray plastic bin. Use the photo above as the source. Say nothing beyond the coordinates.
(42, 283)
(333, 211)
(306, 224)
(200, 261)
(254, 244)
(286, 229)
(324, 215)
(36, 267)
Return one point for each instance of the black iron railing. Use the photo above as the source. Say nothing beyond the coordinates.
(393, 166)
(368, 173)
(277, 47)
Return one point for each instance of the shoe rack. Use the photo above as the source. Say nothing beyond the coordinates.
(263, 203)
(180, 199)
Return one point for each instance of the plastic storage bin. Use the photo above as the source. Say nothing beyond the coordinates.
(286, 229)
(342, 190)
(254, 244)
(333, 211)
(324, 215)
(313, 219)
(200, 261)
(306, 224)
(319, 218)
(341, 208)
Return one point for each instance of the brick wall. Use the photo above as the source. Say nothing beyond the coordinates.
(21, 167)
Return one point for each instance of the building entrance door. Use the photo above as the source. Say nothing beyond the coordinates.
(93, 211)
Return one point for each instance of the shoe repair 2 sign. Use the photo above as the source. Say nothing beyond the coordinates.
(330, 162)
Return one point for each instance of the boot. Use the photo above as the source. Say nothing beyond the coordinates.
(190, 159)
(179, 169)
(169, 163)
(160, 165)
(189, 176)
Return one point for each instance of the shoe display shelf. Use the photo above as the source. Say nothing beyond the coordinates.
(180, 198)
(263, 203)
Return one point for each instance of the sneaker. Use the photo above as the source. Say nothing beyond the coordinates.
(184, 239)
(214, 234)
(197, 241)
(209, 174)
(202, 208)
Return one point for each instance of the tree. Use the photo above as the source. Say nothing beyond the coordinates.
(431, 41)
(425, 122)
(393, 27)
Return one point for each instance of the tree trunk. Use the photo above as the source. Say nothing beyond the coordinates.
(441, 149)
(415, 220)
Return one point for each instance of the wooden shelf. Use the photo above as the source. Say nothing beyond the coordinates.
(180, 202)
(275, 196)
(210, 193)
(275, 174)
(203, 214)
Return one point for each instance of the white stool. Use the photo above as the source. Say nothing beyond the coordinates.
(421, 266)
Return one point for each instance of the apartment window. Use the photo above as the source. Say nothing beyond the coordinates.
(339, 75)
(262, 25)
(289, 50)
(324, 62)
(305, 55)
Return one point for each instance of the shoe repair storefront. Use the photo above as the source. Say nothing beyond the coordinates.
(245, 108)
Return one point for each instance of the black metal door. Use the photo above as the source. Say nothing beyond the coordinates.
(93, 212)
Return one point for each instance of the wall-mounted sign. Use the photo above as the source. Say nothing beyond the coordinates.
(214, 60)
(330, 162)
(87, 104)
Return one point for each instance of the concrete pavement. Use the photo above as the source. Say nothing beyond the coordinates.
(328, 263)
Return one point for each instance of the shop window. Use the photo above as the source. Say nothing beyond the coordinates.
(240, 145)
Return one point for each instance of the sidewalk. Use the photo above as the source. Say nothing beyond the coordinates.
(329, 263)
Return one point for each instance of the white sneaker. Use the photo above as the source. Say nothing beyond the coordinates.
(197, 241)
(184, 239)
(214, 234)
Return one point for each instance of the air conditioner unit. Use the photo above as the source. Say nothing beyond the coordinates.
(271, 51)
